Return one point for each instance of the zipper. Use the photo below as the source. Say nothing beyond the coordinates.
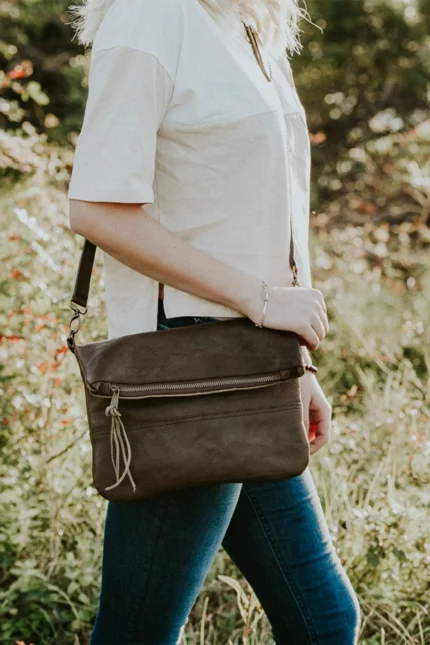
(120, 444)
(165, 388)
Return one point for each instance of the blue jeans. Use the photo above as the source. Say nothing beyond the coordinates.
(158, 551)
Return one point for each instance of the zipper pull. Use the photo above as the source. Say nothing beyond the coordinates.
(114, 400)
(120, 445)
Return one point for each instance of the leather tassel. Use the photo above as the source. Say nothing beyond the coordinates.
(119, 444)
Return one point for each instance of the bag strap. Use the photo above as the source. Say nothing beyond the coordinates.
(83, 278)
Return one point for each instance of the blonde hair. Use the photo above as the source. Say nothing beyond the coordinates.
(277, 21)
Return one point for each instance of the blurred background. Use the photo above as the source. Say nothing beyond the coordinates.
(364, 79)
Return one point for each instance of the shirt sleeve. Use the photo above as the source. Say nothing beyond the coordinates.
(129, 92)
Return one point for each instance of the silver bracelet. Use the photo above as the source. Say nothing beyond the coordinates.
(266, 298)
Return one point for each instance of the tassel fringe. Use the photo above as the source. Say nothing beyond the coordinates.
(119, 445)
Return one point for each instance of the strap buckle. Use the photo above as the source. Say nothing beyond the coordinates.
(79, 309)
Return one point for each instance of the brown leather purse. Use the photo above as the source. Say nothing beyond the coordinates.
(190, 406)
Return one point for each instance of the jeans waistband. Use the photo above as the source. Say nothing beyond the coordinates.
(178, 321)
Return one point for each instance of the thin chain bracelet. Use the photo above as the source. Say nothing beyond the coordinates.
(266, 298)
(311, 368)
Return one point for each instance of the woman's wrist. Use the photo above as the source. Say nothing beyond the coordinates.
(306, 355)
(265, 289)
(250, 298)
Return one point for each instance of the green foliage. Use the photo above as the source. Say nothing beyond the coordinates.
(41, 69)
(366, 76)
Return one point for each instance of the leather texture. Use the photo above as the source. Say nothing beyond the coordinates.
(190, 406)
(205, 351)
(182, 442)
(236, 433)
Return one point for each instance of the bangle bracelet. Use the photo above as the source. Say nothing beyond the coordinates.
(311, 368)
(266, 298)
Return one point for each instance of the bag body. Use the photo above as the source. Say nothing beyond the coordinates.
(202, 419)
(196, 440)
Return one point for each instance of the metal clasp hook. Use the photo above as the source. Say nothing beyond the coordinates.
(74, 324)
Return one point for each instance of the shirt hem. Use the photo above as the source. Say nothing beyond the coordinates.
(179, 303)
(143, 196)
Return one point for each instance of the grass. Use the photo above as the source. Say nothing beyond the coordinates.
(373, 477)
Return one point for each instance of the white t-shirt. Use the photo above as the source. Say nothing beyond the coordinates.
(181, 118)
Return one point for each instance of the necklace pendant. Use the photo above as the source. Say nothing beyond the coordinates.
(251, 36)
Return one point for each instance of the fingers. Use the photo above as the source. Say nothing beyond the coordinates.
(324, 319)
(318, 327)
(314, 333)
(301, 310)
(322, 432)
(320, 299)
(319, 322)
(322, 310)
(316, 444)
(311, 337)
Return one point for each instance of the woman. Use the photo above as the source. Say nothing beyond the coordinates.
(193, 156)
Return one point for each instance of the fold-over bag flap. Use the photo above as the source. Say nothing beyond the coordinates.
(205, 351)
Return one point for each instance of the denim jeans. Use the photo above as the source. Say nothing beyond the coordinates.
(158, 551)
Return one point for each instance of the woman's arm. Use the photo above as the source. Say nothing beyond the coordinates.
(136, 239)
(131, 236)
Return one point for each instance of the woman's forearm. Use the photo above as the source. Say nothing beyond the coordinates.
(131, 236)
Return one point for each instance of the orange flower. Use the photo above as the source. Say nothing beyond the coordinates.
(17, 73)
(16, 274)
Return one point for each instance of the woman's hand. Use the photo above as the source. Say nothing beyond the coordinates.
(298, 309)
(317, 411)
